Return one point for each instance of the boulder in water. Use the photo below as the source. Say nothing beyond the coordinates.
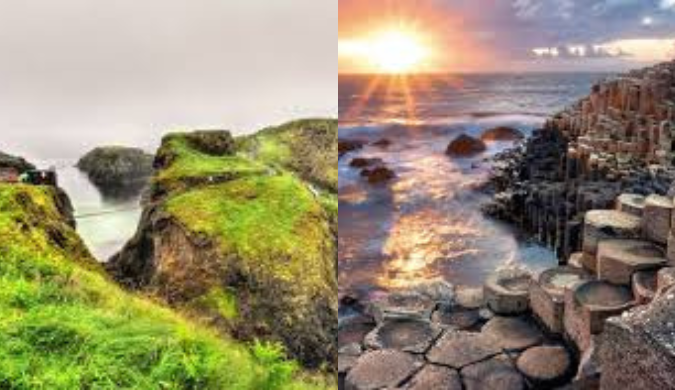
(349, 145)
(117, 170)
(378, 175)
(465, 146)
(502, 133)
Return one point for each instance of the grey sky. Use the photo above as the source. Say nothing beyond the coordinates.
(76, 73)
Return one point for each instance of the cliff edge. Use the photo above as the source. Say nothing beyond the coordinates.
(243, 232)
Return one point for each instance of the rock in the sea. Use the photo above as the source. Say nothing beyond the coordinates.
(116, 169)
(13, 162)
(465, 146)
(349, 145)
(502, 133)
(361, 162)
(382, 143)
(378, 175)
(384, 369)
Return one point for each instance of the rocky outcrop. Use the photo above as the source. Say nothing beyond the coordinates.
(13, 162)
(241, 239)
(617, 140)
(117, 171)
(465, 146)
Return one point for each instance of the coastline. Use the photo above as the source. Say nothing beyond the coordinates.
(547, 186)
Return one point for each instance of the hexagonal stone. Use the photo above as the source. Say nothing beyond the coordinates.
(588, 305)
(469, 297)
(644, 287)
(618, 260)
(459, 349)
(403, 305)
(381, 370)
(508, 291)
(656, 218)
(547, 295)
(413, 336)
(435, 377)
(546, 365)
(346, 363)
(354, 331)
(493, 374)
(456, 318)
(602, 225)
(512, 333)
(631, 203)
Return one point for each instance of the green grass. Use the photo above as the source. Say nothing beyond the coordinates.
(308, 147)
(65, 325)
(190, 163)
(273, 224)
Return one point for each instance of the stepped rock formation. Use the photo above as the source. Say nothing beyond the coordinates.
(244, 232)
(617, 140)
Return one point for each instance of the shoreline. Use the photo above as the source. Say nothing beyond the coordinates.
(585, 324)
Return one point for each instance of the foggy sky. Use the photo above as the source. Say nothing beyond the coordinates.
(77, 73)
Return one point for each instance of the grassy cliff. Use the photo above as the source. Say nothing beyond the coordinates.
(245, 234)
(65, 325)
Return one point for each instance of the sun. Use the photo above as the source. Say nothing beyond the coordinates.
(397, 52)
(391, 51)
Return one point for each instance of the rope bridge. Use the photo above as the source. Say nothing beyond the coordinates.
(106, 212)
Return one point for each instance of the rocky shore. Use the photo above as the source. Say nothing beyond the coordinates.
(595, 184)
(617, 140)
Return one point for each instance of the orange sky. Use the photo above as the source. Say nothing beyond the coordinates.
(436, 29)
(514, 35)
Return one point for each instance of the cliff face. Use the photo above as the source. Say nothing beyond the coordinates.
(617, 140)
(245, 234)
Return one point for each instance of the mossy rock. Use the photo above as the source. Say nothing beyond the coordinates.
(307, 147)
(259, 224)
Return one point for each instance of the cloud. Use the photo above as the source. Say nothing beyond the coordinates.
(538, 9)
(668, 4)
(579, 52)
